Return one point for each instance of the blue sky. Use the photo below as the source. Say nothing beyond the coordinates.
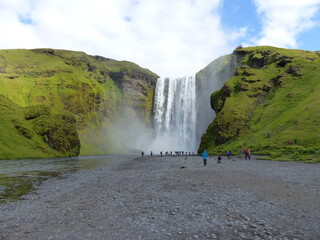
(310, 39)
(240, 13)
(171, 38)
(243, 13)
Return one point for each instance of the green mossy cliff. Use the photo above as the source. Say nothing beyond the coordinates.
(65, 102)
(273, 97)
(209, 79)
(28, 132)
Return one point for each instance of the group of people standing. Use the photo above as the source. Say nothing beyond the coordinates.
(177, 153)
(246, 153)
(205, 156)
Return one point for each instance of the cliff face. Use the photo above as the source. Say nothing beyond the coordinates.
(273, 97)
(208, 80)
(93, 91)
(29, 132)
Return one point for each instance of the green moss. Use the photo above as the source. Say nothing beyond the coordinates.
(22, 138)
(15, 187)
(92, 89)
(274, 97)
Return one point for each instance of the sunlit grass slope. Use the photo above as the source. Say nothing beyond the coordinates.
(92, 89)
(35, 132)
(273, 97)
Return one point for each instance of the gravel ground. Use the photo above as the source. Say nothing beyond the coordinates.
(172, 198)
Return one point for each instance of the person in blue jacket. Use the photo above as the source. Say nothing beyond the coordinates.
(204, 156)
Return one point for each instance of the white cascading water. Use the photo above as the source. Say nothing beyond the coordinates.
(175, 114)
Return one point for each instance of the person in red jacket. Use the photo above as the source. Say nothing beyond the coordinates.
(249, 153)
(242, 150)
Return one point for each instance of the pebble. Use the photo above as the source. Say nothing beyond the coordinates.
(245, 217)
(138, 200)
(244, 227)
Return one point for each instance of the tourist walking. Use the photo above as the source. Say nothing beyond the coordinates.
(204, 156)
(249, 153)
(242, 150)
(219, 159)
(229, 154)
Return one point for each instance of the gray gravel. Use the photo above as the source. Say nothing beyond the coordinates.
(172, 198)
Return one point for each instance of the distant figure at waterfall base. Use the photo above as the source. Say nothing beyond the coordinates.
(229, 154)
(219, 159)
(204, 156)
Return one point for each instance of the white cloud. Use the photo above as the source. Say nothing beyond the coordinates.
(171, 38)
(284, 20)
(14, 34)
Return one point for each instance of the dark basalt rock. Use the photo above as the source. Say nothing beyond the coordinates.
(22, 130)
(283, 62)
(36, 111)
(59, 132)
(294, 70)
(46, 51)
(218, 98)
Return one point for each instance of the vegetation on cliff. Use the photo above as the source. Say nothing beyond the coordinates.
(208, 80)
(34, 132)
(70, 89)
(272, 99)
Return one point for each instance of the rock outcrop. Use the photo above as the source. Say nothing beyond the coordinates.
(208, 80)
(94, 92)
(271, 100)
(35, 131)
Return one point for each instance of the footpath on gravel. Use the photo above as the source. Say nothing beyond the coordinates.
(172, 197)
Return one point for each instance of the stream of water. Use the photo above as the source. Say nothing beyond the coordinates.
(18, 177)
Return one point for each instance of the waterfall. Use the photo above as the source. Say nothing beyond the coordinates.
(175, 114)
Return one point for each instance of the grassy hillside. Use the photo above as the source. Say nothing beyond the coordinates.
(35, 132)
(273, 98)
(92, 89)
(208, 80)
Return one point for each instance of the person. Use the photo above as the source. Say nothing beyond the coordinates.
(219, 158)
(246, 155)
(249, 153)
(151, 153)
(204, 156)
(161, 153)
(241, 152)
(142, 153)
(229, 154)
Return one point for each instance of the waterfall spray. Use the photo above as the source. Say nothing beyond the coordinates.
(175, 114)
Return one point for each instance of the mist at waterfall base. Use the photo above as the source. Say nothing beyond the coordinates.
(174, 121)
